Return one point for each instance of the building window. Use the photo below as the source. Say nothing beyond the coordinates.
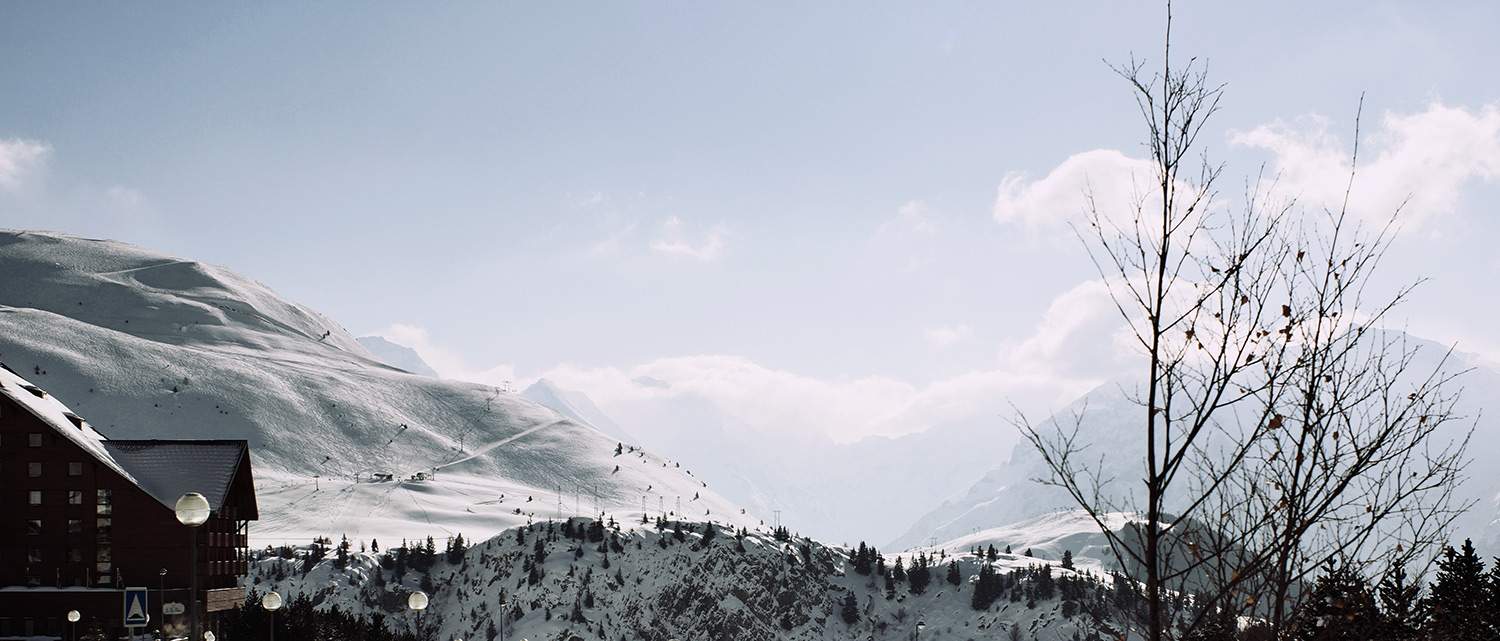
(75, 526)
(75, 497)
(103, 570)
(33, 555)
(105, 502)
(34, 527)
(34, 470)
(34, 439)
(75, 469)
(34, 497)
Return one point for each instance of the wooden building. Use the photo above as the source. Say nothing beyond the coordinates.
(82, 517)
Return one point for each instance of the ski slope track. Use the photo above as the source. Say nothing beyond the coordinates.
(151, 346)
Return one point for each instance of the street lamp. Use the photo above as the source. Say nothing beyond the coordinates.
(271, 602)
(73, 618)
(417, 601)
(161, 602)
(193, 510)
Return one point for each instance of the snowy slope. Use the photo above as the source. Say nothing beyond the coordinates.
(397, 356)
(574, 405)
(648, 585)
(146, 345)
(1046, 537)
(1008, 492)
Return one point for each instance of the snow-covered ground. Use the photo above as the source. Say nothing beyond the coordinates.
(150, 346)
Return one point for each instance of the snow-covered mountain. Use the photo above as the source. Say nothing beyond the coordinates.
(146, 345)
(1008, 492)
(648, 584)
(397, 356)
(575, 405)
(839, 492)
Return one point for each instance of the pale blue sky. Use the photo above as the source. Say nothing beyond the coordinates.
(605, 185)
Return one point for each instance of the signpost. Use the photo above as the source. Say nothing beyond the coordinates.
(135, 608)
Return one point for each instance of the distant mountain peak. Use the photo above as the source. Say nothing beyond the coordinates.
(397, 355)
(575, 405)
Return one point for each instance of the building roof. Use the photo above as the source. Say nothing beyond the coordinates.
(168, 469)
(163, 469)
(51, 411)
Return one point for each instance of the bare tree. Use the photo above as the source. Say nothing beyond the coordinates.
(1281, 427)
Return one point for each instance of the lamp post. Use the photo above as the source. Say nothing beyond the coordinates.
(73, 618)
(271, 602)
(161, 602)
(193, 510)
(417, 601)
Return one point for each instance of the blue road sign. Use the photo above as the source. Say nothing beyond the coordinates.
(135, 608)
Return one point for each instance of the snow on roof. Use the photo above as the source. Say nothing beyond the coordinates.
(52, 412)
(164, 469)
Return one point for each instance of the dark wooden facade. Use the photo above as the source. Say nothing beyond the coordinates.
(77, 526)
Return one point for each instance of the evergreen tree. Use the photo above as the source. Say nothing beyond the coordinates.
(986, 588)
(341, 557)
(456, 549)
(1340, 607)
(919, 576)
(1044, 584)
(1214, 626)
(1457, 603)
(1067, 561)
(862, 559)
(954, 576)
(1402, 612)
(898, 573)
(850, 608)
(375, 546)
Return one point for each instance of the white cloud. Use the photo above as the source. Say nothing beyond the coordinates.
(913, 217)
(20, 160)
(1426, 156)
(945, 336)
(1074, 348)
(1080, 336)
(674, 240)
(1116, 180)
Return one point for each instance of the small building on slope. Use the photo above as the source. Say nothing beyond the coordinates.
(83, 517)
